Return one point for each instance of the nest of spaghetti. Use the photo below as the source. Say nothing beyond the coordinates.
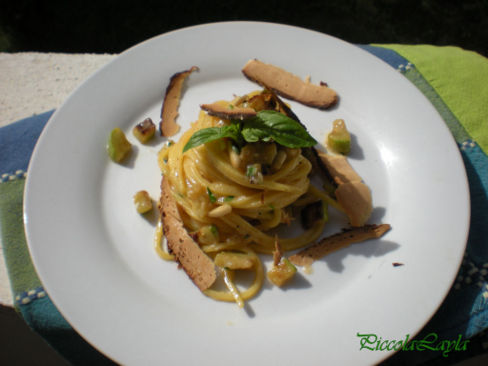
(239, 173)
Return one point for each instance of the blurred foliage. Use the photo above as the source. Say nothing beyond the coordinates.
(112, 26)
(4, 41)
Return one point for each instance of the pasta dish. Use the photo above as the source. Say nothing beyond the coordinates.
(240, 173)
(230, 197)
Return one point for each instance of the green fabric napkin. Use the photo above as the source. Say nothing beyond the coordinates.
(460, 78)
(455, 81)
(21, 271)
(30, 299)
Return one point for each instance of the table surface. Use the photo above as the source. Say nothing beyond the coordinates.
(33, 83)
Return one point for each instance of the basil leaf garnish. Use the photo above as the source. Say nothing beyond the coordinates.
(272, 125)
(213, 133)
(265, 126)
(255, 130)
(211, 196)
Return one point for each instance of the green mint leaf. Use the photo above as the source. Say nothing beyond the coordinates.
(251, 170)
(214, 230)
(211, 196)
(272, 125)
(213, 133)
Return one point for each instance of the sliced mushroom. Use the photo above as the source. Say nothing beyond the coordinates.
(266, 100)
(169, 111)
(197, 265)
(289, 85)
(337, 241)
(320, 168)
(355, 199)
(339, 168)
(228, 111)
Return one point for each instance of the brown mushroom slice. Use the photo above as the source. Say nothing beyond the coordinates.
(289, 85)
(169, 111)
(355, 199)
(312, 213)
(339, 168)
(266, 100)
(228, 111)
(338, 241)
(197, 265)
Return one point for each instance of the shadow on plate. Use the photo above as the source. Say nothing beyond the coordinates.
(130, 161)
(356, 152)
(152, 217)
(377, 215)
(368, 249)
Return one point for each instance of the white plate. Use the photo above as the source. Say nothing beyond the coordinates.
(94, 253)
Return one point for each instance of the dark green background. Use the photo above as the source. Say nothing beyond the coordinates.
(112, 26)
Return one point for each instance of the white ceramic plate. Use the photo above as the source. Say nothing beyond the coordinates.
(94, 253)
